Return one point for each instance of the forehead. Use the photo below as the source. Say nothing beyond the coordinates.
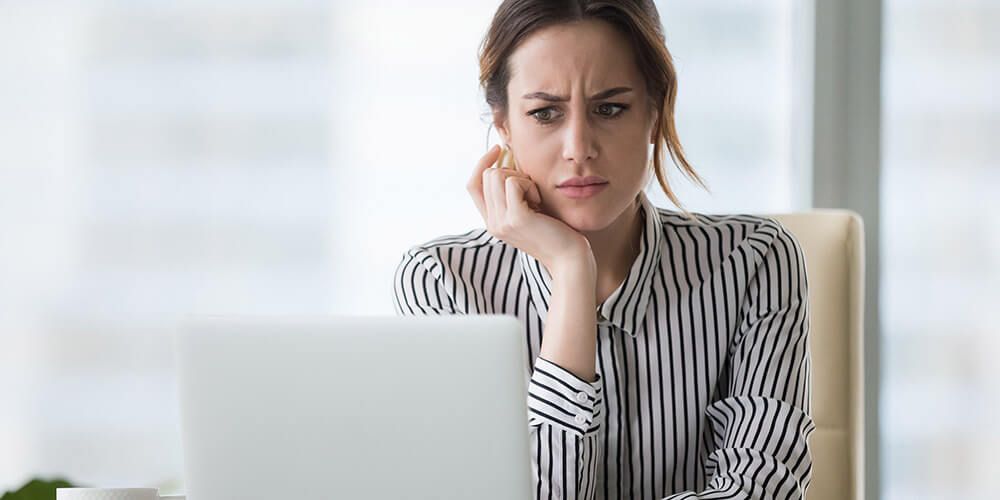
(582, 55)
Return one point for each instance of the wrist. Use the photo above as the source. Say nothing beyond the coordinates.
(575, 268)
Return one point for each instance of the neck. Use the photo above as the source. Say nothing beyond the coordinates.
(616, 248)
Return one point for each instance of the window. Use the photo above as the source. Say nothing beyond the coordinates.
(162, 158)
(940, 248)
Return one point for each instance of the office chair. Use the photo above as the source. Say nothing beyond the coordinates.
(833, 243)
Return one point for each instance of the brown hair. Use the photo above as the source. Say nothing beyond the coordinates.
(638, 20)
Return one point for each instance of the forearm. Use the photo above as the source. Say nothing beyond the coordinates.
(565, 400)
(570, 336)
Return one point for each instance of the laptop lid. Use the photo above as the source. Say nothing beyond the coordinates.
(373, 407)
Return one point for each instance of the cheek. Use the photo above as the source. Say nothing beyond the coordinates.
(531, 163)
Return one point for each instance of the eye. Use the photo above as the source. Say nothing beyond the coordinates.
(610, 110)
(542, 115)
(616, 114)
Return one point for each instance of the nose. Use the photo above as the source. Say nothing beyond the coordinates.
(579, 141)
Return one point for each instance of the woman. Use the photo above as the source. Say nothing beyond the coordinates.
(693, 378)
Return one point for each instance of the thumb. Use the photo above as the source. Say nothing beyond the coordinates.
(533, 195)
(529, 190)
(515, 190)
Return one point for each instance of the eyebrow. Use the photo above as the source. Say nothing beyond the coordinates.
(555, 98)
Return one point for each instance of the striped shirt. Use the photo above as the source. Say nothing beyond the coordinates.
(703, 383)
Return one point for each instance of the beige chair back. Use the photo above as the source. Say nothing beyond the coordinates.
(833, 243)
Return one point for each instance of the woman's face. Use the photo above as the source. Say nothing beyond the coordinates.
(574, 130)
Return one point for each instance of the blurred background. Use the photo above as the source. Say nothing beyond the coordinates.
(160, 158)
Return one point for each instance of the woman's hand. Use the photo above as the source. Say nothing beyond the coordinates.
(510, 203)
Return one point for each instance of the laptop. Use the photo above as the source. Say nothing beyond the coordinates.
(354, 407)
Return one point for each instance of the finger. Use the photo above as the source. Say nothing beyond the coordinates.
(497, 202)
(529, 189)
(528, 192)
(534, 195)
(483, 199)
(475, 184)
(477, 198)
(495, 192)
(487, 160)
(515, 194)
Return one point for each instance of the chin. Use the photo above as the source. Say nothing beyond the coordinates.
(586, 220)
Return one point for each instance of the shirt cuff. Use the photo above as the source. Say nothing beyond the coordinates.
(558, 397)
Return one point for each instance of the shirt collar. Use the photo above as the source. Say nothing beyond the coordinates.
(626, 307)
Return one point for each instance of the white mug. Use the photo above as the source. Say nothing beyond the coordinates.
(112, 494)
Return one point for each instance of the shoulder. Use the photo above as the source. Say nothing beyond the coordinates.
(471, 240)
(677, 219)
(760, 235)
(447, 273)
(447, 253)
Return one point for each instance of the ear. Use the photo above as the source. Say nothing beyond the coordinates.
(500, 122)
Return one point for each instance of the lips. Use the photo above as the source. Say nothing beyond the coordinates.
(583, 181)
(580, 192)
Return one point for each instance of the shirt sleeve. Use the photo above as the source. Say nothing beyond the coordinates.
(418, 286)
(564, 423)
(761, 427)
(564, 411)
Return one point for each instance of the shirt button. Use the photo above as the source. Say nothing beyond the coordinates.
(581, 397)
(580, 419)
